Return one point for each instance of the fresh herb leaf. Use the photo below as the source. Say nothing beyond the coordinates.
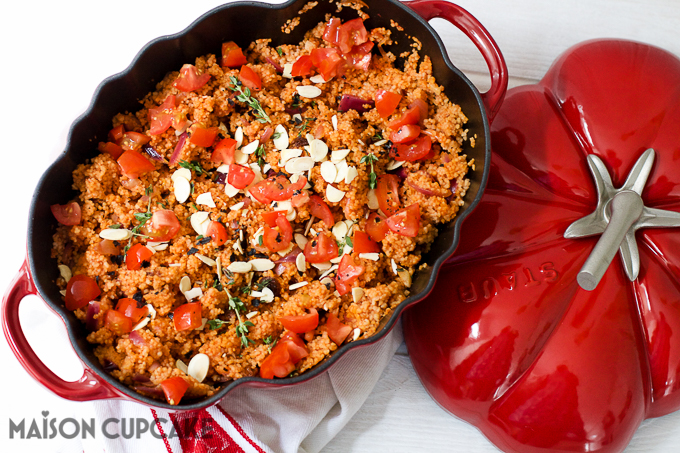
(217, 285)
(259, 240)
(216, 324)
(276, 135)
(246, 290)
(279, 51)
(148, 191)
(372, 177)
(268, 339)
(245, 97)
(237, 305)
(261, 153)
(348, 241)
(194, 165)
(115, 226)
(377, 137)
(264, 283)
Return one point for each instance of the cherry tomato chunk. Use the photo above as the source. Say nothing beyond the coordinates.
(249, 78)
(321, 249)
(320, 210)
(117, 322)
(337, 331)
(232, 55)
(387, 192)
(67, 214)
(80, 290)
(362, 243)
(301, 323)
(405, 133)
(240, 176)
(419, 149)
(163, 225)
(174, 389)
(137, 256)
(289, 350)
(348, 273)
(406, 222)
(187, 316)
(131, 309)
(189, 80)
(224, 151)
(203, 136)
(217, 232)
(133, 164)
(376, 227)
(386, 102)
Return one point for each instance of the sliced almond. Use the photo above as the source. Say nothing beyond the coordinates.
(380, 142)
(142, 323)
(185, 284)
(199, 222)
(351, 174)
(288, 154)
(287, 71)
(370, 256)
(194, 293)
(394, 164)
(318, 149)
(209, 261)
(357, 334)
(237, 206)
(152, 311)
(299, 164)
(337, 259)
(240, 157)
(339, 154)
(317, 79)
(372, 200)
(238, 136)
(115, 234)
(65, 272)
(300, 240)
(340, 230)
(297, 118)
(394, 267)
(256, 241)
(328, 271)
(291, 214)
(198, 367)
(334, 195)
(342, 168)
(327, 282)
(267, 295)
(261, 264)
(182, 189)
(181, 366)
(206, 199)
(308, 91)
(181, 173)
(281, 141)
(357, 294)
(266, 168)
(334, 121)
(322, 266)
(328, 171)
(297, 285)
(282, 206)
(230, 190)
(301, 262)
(405, 277)
(251, 147)
(252, 314)
(224, 168)
(240, 267)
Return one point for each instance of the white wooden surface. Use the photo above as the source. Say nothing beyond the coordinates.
(53, 56)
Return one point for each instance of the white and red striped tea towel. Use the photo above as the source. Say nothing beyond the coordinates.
(297, 419)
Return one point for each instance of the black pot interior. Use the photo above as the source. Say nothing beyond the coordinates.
(233, 22)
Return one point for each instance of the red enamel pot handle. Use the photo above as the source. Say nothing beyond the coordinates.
(88, 387)
(465, 22)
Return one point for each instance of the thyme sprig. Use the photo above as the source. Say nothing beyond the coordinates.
(373, 178)
(245, 97)
(242, 327)
(142, 218)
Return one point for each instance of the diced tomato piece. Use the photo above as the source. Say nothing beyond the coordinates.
(137, 256)
(133, 164)
(412, 151)
(302, 323)
(232, 55)
(360, 56)
(117, 322)
(277, 240)
(132, 140)
(351, 33)
(289, 350)
(405, 134)
(327, 61)
(376, 227)
(67, 214)
(321, 249)
(330, 33)
(80, 290)
(362, 243)
(276, 188)
(203, 136)
(348, 273)
(240, 176)
(386, 102)
(162, 117)
(249, 78)
(406, 222)
(217, 232)
(271, 216)
(302, 66)
(337, 331)
(410, 116)
(107, 247)
(300, 198)
(174, 389)
(422, 107)
(163, 225)
(189, 80)
(320, 210)
(224, 151)
(387, 192)
(187, 316)
(131, 309)
(110, 148)
(116, 133)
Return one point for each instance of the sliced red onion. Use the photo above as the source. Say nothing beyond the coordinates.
(295, 111)
(266, 135)
(137, 339)
(280, 268)
(446, 158)
(92, 323)
(221, 178)
(150, 391)
(429, 192)
(131, 184)
(400, 172)
(152, 153)
(246, 202)
(154, 366)
(350, 102)
(277, 66)
(141, 378)
(290, 257)
(109, 366)
(177, 153)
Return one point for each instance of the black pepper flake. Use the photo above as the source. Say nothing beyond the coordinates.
(260, 255)
(111, 274)
(139, 298)
(256, 303)
(388, 145)
(145, 264)
(251, 252)
(192, 250)
(116, 243)
(205, 240)
(171, 315)
(118, 259)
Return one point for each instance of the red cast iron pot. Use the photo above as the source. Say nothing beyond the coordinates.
(121, 93)
(509, 341)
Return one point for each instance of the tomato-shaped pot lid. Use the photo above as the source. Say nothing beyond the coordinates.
(539, 332)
